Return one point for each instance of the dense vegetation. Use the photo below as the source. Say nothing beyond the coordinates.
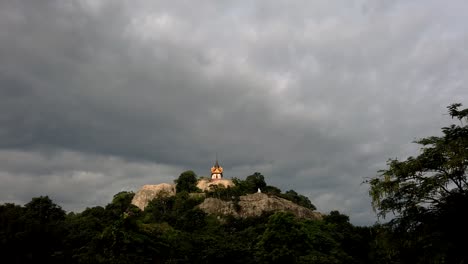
(173, 230)
(252, 184)
(426, 195)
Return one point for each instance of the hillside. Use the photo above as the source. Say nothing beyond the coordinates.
(182, 224)
(254, 205)
(224, 197)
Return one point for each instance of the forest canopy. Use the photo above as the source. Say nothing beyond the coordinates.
(428, 195)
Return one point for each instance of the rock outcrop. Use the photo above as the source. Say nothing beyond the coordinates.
(256, 204)
(206, 184)
(250, 205)
(149, 192)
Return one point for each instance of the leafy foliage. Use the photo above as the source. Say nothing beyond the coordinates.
(32, 233)
(420, 183)
(187, 182)
(251, 184)
(170, 230)
(428, 196)
(299, 199)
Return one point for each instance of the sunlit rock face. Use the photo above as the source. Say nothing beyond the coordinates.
(207, 185)
(256, 204)
(250, 205)
(150, 192)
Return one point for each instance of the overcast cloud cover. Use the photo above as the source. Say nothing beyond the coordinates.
(101, 96)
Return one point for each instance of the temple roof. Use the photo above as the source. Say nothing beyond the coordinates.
(216, 168)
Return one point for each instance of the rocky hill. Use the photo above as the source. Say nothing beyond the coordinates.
(206, 184)
(150, 192)
(252, 205)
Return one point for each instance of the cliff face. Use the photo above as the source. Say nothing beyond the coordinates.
(254, 205)
(149, 192)
(250, 205)
(205, 184)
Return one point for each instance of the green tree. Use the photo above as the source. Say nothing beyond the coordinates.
(43, 231)
(283, 240)
(160, 209)
(354, 241)
(298, 199)
(250, 184)
(271, 190)
(428, 195)
(187, 181)
(287, 239)
(12, 233)
(121, 204)
(124, 242)
(255, 181)
(43, 210)
(84, 235)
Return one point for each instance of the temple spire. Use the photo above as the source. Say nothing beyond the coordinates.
(216, 170)
(216, 163)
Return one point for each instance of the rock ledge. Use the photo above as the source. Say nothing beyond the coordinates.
(256, 204)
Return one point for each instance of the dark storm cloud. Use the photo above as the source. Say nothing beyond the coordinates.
(102, 96)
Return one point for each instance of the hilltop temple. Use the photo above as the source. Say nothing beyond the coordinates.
(216, 171)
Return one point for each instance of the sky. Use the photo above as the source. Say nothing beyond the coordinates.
(103, 96)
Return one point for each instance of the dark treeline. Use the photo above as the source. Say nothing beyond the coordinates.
(427, 196)
(173, 230)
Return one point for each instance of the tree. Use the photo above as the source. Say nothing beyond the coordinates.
(283, 240)
(287, 239)
(298, 199)
(160, 209)
(44, 231)
(84, 234)
(187, 181)
(251, 184)
(426, 192)
(255, 181)
(121, 203)
(12, 233)
(272, 190)
(353, 241)
(43, 210)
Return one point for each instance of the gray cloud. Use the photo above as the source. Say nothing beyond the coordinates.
(102, 96)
